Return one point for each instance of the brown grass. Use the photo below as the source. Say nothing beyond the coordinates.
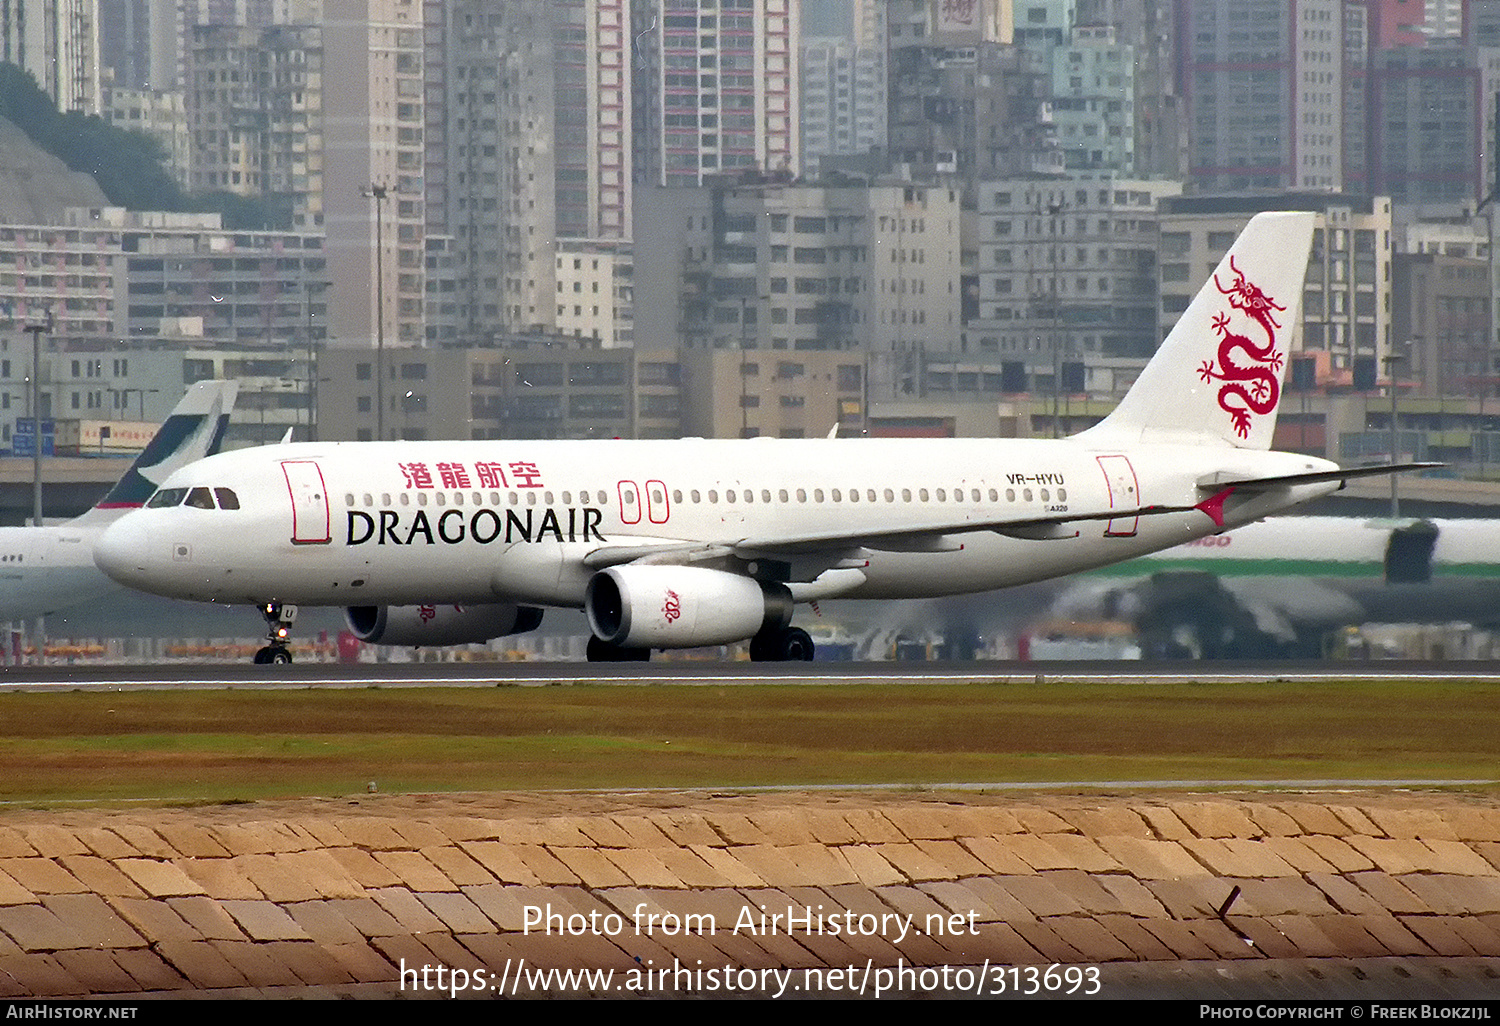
(217, 745)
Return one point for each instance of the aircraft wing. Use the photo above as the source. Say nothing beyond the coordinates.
(837, 545)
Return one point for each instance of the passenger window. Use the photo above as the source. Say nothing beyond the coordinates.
(229, 500)
(200, 498)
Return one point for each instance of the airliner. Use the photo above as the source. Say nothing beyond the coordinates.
(45, 569)
(691, 542)
(1278, 587)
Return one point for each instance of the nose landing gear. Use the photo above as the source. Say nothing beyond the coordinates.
(279, 620)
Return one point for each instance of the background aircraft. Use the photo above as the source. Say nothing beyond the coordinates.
(1278, 587)
(49, 568)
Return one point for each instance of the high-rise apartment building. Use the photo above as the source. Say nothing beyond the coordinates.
(158, 113)
(373, 193)
(1093, 101)
(715, 88)
(57, 41)
(1149, 27)
(767, 266)
(962, 99)
(1067, 273)
(528, 162)
(1265, 92)
(844, 88)
(1346, 301)
(138, 43)
(1424, 115)
(254, 106)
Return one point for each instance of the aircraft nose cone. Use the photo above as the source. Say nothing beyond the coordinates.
(122, 551)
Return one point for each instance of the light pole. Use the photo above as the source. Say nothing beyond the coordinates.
(1391, 361)
(378, 194)
(744, 345)
(37, 329)
(1055, 209)
(312, 371)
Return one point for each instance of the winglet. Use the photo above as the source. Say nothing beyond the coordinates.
(1213, 506)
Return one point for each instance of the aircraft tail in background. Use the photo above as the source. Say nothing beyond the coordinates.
(193, 430)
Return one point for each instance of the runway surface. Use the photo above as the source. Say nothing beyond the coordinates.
(539, 674)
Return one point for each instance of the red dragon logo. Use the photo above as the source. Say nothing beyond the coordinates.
(1250, 389)
(672, 607)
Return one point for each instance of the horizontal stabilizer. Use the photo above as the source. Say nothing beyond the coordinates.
(1314, 477)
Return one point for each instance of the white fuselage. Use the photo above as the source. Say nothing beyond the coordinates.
(47, 569)
(482, 521)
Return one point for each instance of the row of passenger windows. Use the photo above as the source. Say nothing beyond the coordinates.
(199, 498)
(713, 495)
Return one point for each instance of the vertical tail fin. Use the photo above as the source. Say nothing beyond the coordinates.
(1216, 379)
(194, 429)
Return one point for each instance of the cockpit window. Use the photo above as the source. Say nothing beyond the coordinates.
(167, 497)
(198, 498)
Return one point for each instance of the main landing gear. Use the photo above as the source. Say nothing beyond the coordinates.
(601, 651)
(788, 644)
(279, 620)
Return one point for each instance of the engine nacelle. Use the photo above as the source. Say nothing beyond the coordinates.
(439, 625)
(681, 606)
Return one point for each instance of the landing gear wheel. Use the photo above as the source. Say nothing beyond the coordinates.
(279, 619)
(601, 651)
(790, 644)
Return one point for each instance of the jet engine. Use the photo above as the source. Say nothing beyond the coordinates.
(681, 606)
(439, 625)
